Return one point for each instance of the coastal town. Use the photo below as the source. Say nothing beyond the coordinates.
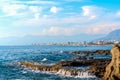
(84, 43)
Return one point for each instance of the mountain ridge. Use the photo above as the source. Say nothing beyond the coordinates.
(113, 35)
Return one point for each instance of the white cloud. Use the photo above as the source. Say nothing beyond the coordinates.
(50, 21)
(35, 9)
(57, 31)
(102, 28)
(37, 15)
(70, 25)
(35, 2)
(92, 17)
(54, 9)
(91, 11)
(12, 10)
(21, 10)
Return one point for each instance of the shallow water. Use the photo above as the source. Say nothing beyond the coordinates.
(10, 55)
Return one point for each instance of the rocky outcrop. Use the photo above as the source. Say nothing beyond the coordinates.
(102, 51)
(113, 68)
(92, 52)
(96, 67)
(56, 69)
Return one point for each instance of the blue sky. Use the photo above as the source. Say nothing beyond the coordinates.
(53, 19)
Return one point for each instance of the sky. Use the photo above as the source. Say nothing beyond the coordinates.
(42, 21)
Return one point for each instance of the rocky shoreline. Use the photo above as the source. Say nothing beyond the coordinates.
(106, 69)
(96, 66)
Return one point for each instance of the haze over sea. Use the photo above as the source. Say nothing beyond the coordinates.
(11, 55)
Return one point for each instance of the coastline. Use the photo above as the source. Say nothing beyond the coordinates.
(63, 62)
(96, 66)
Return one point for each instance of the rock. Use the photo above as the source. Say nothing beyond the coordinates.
(96, 66)
(91, 52)
(102, 52)
(56, 69)
(81, 58)
(76, 52)
(113, 68)
(91, 57)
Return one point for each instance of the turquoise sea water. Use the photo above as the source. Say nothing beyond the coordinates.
(10, 55)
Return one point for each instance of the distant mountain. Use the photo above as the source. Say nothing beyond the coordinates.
(114, 35)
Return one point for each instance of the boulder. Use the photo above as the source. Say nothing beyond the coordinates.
(113, 68)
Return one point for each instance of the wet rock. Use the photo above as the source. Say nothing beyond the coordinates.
(105, 52)
(76, 52)
(102, 52)
(81, 58)
(91, 57)
(97, 67)
(75, 63)
(56, 69)
(113, 68)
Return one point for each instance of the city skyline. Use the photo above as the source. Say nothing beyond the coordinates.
(34, 21)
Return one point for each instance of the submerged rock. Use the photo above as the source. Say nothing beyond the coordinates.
(113, 68)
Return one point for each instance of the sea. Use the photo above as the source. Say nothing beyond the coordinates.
(11, 55)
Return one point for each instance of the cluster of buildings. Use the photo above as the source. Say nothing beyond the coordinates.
(106, 42)
(84, 43)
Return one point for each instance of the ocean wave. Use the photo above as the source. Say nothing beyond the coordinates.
(85, 75)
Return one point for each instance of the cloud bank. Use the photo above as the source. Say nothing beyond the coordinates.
(47, 17)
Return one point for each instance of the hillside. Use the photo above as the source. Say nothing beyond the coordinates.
(114, 35)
